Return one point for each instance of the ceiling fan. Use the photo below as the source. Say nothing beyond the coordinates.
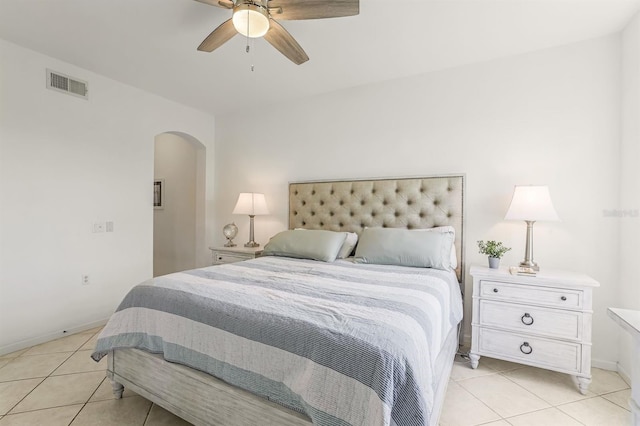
(258, 18)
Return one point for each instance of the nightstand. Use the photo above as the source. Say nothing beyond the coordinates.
(222, 255)
(543, 321)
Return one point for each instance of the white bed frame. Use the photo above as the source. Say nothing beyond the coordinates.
(202, 399)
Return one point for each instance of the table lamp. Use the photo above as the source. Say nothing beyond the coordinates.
(252, 204)
(531, 203)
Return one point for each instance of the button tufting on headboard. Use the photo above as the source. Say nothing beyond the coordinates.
(412, 203)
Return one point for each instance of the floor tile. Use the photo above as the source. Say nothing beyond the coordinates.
(502, 395)
(500, 365)
(597, 411)
(29, 367)
(14, 354)
(462, 370)
(604, 381)
(12, 392)
(95, 330)
(81, 362)
(90, 345)
(4, 362)
(158, 416)
(461, 408)
(105, 392)
(496, 423)
(61, 390)
(59, 416)
(553, 387)
(121, 412)
(549, 416)
(620, 398)
(65, 344)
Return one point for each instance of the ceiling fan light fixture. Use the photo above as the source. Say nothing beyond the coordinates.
(251, 17)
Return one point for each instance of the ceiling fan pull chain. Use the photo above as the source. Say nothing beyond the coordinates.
(248, 33)
(252, 54)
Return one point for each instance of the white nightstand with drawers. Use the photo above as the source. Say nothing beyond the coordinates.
(222, 255)
(543, 320)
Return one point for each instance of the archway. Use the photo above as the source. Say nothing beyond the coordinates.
(179, 219)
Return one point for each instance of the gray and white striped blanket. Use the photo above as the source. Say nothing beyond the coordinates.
(344, 343)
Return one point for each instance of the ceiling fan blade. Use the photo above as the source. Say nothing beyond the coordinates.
(312, 9)
(279, 38)
(218, 37)
(227, 4)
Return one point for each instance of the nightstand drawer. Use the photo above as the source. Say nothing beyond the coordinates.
(548, 296)
(220, 258)
(530, 350)
(529, 319)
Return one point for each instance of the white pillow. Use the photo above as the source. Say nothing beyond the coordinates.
(348, 245)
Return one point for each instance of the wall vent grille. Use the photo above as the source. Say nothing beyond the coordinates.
(66, 84)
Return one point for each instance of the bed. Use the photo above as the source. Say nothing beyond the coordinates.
(313, 342)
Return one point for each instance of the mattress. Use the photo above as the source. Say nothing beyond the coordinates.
(343, 343)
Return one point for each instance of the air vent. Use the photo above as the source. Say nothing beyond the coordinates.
(64, 83)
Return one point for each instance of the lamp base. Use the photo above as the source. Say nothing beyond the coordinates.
(529, 264)
(252, 244)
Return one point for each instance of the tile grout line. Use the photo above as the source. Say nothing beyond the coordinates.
(481, 402)
(46, 377)
(609, 393)
(552, 405)
(92, 393)
(500, 373)
(36, 386)
(148, 413)
(28, 393)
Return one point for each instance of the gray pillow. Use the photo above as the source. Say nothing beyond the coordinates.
(404, 247)
(347, 247)
(306, 244)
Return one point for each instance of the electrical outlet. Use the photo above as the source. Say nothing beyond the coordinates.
(109, 226)
(85, 280)
(98, 227)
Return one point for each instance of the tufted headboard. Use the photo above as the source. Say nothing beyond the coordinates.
(352, 205)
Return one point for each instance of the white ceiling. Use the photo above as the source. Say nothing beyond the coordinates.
(151, 44)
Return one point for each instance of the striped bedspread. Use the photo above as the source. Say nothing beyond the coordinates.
(344, 343)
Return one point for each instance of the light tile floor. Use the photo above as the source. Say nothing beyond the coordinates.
(56, 383)
(504, 393)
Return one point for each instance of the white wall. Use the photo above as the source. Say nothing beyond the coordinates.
(174, 226)
(549, 117)
(66, 163)
(629, 207)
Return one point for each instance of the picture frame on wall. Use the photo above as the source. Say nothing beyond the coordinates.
(158, 194)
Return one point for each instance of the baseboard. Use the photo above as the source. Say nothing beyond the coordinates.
(605, 365)
(624, 374)
(27, 343)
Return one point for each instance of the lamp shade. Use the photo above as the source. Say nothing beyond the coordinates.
(251, 203)
(531, 202)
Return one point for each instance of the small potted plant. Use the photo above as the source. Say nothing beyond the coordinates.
(495, 250)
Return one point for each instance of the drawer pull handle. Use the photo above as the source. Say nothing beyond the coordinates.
(563, 298)
(495, 290)
(526, 319)
(525, 348)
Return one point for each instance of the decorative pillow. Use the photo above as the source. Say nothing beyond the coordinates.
(348, 245)
(308, 244)
(404, 247)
